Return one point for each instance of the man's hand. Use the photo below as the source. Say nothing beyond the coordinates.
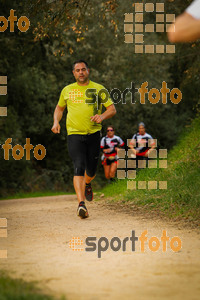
(109, 113)
(56, 128)
(148, 152)
(96, 118)
(107, 150)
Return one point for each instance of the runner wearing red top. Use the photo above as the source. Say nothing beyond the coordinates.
(110, 144)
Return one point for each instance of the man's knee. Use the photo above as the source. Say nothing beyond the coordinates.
(91, 173)
(91, 168)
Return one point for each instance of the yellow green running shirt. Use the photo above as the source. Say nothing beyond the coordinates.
(80, 110)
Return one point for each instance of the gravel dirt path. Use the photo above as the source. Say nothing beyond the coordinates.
(39, 234)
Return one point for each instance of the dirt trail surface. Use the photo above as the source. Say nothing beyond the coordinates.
(39, 232)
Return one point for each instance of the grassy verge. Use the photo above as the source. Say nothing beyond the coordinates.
(18, 289)
(181, 199)
(35, 194)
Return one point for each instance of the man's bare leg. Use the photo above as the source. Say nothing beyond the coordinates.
(113, 170)
(88, 179)
(107, 171)
(79, 186)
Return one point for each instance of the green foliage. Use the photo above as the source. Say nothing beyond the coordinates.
(20, 290)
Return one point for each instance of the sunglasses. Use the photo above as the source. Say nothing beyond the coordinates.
(110, 130)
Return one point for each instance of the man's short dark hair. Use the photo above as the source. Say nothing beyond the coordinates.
(80, 61)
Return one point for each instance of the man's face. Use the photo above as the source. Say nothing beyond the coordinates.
(110, 132)
(141, 130)
(81, 73)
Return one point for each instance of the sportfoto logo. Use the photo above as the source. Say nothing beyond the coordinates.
(3, 92)
(116, 244)
(18, 151)
(154, 95)
(135, 29)
(127, 166)
(23, 22)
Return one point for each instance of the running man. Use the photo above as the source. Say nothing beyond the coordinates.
(83, 124)
(187, 25)
(110, 144)
(140, 144)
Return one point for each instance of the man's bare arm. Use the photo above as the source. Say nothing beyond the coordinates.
(187, 29)
(58, 113)
(109, 113)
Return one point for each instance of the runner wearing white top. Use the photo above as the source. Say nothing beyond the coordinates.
(194, 9)
(141, 144)
(109, 145)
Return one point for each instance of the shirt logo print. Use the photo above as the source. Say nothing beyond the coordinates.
(74, 94)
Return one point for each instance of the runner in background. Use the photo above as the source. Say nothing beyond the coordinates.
(187, 25)
(140, 144)
(110, 144)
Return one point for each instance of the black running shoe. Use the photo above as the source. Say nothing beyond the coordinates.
(88, 192)
(82, 210)
(112, 180)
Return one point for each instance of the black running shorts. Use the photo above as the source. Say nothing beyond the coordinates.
(84, 151)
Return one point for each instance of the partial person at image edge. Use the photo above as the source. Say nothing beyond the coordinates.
(187, 25)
